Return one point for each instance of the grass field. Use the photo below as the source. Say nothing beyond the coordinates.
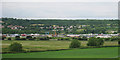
(109, 52)
(47, 45)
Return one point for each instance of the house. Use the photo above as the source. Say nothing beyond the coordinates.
(23, 34)
(106, 36)
(49, 35)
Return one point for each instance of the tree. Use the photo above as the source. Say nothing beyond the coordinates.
(100, 41)
(92, 42)
(75, 44)
(95, 42)
(15, 47)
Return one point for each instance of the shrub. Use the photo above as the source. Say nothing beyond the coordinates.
(115, 39)
(44, 38)
(15, 47)
(74, 38)
(95, 42)
(3, 38)
(63, 39)
(50, 37)
(118, 42)
(29, 38)
(75, 44)
(23, 38)
(59, 39)
(82, 39)
(67, 39)
(92, 42)
(34, 38)
(107, 39)
(100, 41)
(17, 37)
(9, 38)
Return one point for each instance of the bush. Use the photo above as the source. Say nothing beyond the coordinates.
(82, 39)
(44, 38)
(50, 37)
(63, 39)
(15, 47)
(34, 38)
(107, 39)
(75, 44)
(74, 38)
(92, 42)
(95, 42)
(29, 37)
(119, 42)
(67, 39)
(17, 38)
(115, 39)
(3, 37)
(23, 38)
(9, 38)
(100, 41)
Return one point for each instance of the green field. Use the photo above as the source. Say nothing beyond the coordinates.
(109, 52)
(48, 45)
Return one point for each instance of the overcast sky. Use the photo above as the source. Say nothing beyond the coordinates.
(60, 9)
(60, 0)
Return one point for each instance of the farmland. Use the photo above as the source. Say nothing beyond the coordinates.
(110, 52)
(48, 45)
(59, 49)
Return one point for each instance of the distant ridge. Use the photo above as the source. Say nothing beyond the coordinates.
(68, 18)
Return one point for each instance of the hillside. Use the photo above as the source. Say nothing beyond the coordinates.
(41, 26)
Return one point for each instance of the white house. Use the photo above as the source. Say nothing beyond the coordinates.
(103, 36)
(72, 35)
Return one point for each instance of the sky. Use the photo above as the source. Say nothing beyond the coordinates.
(60, 0)
(98, 9)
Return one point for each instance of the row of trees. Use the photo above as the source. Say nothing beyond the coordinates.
(60, 39)
(27, 38)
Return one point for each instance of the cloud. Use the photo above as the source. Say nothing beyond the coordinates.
(60, 9)
(60, 0)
